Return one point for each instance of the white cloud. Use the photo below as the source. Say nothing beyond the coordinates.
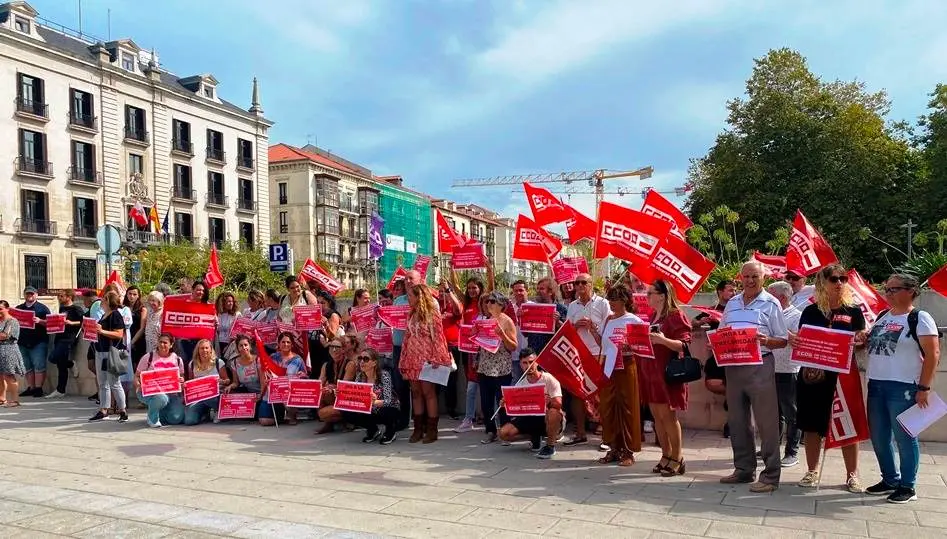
(315, 27)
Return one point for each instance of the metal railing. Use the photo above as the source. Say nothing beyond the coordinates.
(246, 204)
(217, 199)
(24, 225)
(136, 134)
(87, 121)
(84, 175)
(32, 165)
(216, 154)
(245, 161)
(183, 146)
(78, 230)
(183, 194)
(32, 107)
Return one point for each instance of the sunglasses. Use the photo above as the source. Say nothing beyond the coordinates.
(581, 282)
(896, 289)
(836, 279)
(365, 358)
(491, 302)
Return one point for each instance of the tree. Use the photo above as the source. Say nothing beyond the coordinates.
(933, 140)
(795, 141)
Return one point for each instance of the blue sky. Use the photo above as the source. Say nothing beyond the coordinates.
(449, 89)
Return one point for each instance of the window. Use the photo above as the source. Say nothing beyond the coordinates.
(327, 191)
(215, 145)
(84, 221)
(182, 182)
(86, 273)
(245, 200)
(30, 95)
(34, 212)
(81, 109)
(244, 153)
(183, 227)
(208, 91)
(246, 234)
(328, 248)
(33, 152)
(215, 188)
(21, 24)
(135, 128)
(282, 192)
(128, 61)
(283, 222)
(327, 220)
(36, 269)
(367, 201)
(136, 164)
(216, 231)
(181, 133)
(83, 161)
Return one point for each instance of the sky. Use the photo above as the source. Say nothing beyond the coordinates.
(440, 90)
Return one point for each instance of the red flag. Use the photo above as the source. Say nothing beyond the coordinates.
(579, 226)
(714, 314)
(314, 272)
(398, 275)
(185, 319)
(214, 277)
(937, 281)
(655, 204)
(266, 362)
(866, 296)
(682, 265)
(447, 237)
(568, 359)
(628, 234)
(774, 265)
(114, 277)
(547, 209)
(137, 213)
(532, 243)
(848, 422)
(808, 252)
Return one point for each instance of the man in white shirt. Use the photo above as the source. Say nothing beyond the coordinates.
(754, 386)
(786, 372)
(536, 426)
(518, 296)
(587, 313)
(801, 292)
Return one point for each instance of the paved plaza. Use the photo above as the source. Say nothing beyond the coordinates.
(62, 476)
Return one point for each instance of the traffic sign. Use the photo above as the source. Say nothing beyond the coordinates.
(279, 257)
(108, 239)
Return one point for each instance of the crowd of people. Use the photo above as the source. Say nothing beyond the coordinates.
(777, 402)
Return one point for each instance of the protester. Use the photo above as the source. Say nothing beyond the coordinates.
(518, 297)
(360, 298)
(786, 373)
(153, 323)
(411, 278)
(270, 311)
(384, 405)
(567, 291)
(494, 369)
(546, 293)
(451, 315)
(284, 358)
(535, 427)
(163, 408)
(834, 308)
(163, 288)
(34, 343)
(199, 294)
(587, 313)
(424, 344)
(801, 292)
(245, 368)
(902, 360)
(619, 402)
(139, 314)
(11, 361)
(227, 314)
(715, 377)
(753, 387)
(340, 367)
(256, 302)
(319, 353)
(111, 332)
(471, 311)
(385, 297)
(185, 285)
(205, 363)
(63, 343)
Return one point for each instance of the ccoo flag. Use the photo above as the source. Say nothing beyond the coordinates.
(808, 252)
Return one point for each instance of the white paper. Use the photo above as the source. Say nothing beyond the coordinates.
(916, 419)
(437, 376)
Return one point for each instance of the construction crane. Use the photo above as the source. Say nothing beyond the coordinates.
(621, 191)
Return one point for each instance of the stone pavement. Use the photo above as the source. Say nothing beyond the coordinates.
(62, 476)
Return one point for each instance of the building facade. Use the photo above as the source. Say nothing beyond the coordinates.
(476, 223)
(102, 128)
(408, 230)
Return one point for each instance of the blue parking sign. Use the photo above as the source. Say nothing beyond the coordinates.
(279, 257)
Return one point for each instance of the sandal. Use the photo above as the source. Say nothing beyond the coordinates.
(673, 470)
(11, 404)
(661, 466)
(609, 457)
(628, 459)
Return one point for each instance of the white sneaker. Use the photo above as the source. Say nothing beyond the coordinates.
(55, 395)
(213, 416)
(155, 425)
(649, 426)
(465, 426)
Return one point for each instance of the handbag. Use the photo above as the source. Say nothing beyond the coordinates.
(116, 363)
(682, 369)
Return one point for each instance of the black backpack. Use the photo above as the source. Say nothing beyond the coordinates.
(912, 326)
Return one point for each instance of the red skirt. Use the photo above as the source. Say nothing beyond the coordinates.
(653, 388)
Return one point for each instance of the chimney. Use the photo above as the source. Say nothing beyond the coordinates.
(151, 70)
(104, 56)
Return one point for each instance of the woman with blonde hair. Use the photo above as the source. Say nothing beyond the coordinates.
(424, 343)
(152, 326)
(205, 363)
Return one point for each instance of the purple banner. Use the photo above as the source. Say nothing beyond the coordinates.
(376, 236)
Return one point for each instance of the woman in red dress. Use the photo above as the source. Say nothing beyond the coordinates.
(424, 342)
(670, 333)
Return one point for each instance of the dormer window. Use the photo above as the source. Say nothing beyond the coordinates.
(208, 91)
(128, 62)
(21, 24)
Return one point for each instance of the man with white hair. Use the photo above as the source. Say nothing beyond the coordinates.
(754, 386)
(801, 292)
(786, 372)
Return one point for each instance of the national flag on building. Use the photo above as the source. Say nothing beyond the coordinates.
(137, 214)
(153, 217)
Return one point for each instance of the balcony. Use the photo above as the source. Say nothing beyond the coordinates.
(83, 177)
(80, 232)
(327, 200)
(283, 199)
(351, 262)
(183, 239)
(33, 168)
(137, 136)
(284, 229)
(348, 206)
(181, 194)
(83, 122)
(246, 205)
(217, 200)
(245, 162)
(216, 155)
(139, 238)
(327, 229)
(182, 147)
(31, 109)
(34, 227)
(367, 209)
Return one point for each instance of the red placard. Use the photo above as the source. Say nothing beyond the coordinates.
(528, 400)
(379, 339)
(189, 319)
(421, 263)
(566, 270)
(237, 406)
(396, 316)
(90, 329)
(314, 272)
(734, 347)
(307, 317)
(243, 326)
(824, 348)
(278, 390)
(642, 309)
(159, 381)
(354, 397)
(469, 256)
(201, 389)
(27, 319)
(304, 393)
(55, 323)
(486, 334)
(638, 338)
(267, 332)
(465, 339)
(538, 318)
(364, 318)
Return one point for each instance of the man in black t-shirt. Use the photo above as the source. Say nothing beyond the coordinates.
(715, 377)
(65, 341)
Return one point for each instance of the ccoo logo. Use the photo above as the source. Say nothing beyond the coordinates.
(676, 269)
(572, 360)
(630, 238)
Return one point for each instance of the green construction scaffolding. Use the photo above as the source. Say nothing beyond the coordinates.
(407, 215)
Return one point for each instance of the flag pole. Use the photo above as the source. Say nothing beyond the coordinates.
(517, 383)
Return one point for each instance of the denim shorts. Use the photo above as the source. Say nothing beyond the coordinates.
(34, 358)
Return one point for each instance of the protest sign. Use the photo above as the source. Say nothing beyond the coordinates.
(527, 400)
(160, 381)
(201, 389)
(735, 347)
(354, 397)
(824, 348)
(304, 393)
